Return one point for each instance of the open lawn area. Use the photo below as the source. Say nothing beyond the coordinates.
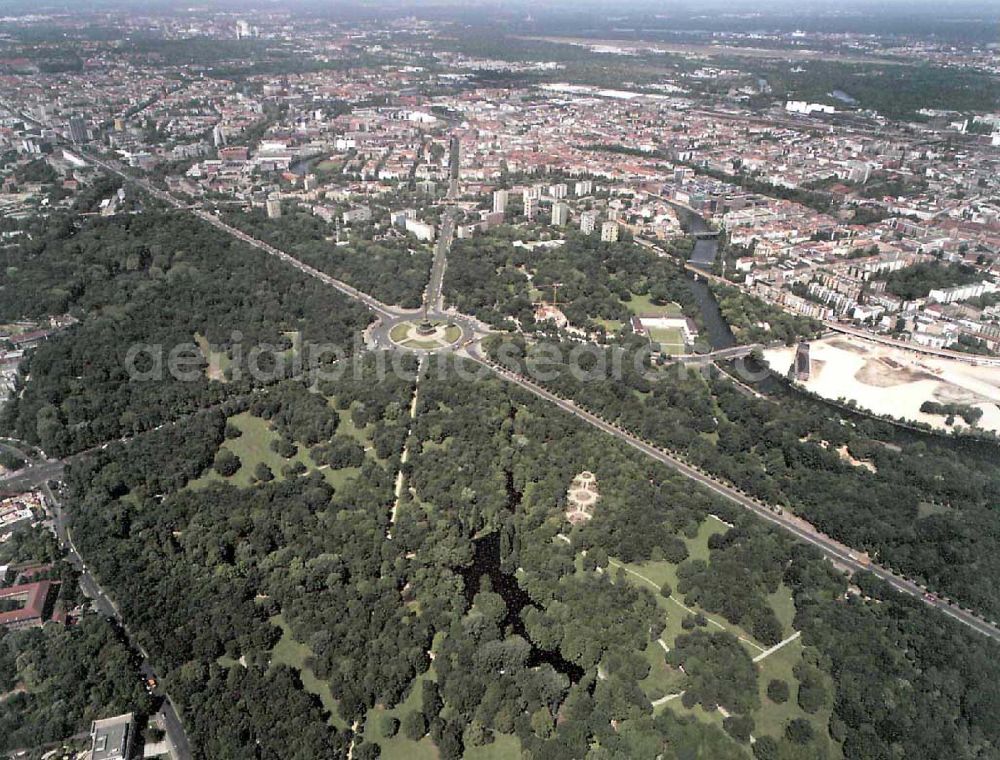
(254, 446)
(294, 654)
(218, 361)
(504, 747)
(652, 576)
(662, 679)
(660, 572)
(772, 718)
(698, 546)
(643, 306)
(399, 747)
(784, 607)
(671, 339)
(611, 326)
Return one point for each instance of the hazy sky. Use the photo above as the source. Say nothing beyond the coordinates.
(922, 16)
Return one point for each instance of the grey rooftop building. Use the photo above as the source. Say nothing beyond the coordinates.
(111, 738)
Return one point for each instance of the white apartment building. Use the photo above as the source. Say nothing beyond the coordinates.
(560, 214)
(500, 198)
(530, 207)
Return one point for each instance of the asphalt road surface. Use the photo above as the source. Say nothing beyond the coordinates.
(432, 297)
(176, 736)
(31, 477)
(831, 549)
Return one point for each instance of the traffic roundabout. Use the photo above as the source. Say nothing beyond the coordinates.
(423, 334)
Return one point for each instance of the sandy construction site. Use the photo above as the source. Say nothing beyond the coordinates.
(894, 381)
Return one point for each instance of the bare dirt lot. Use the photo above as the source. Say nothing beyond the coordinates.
(894, 381)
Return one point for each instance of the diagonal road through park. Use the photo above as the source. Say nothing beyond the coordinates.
(470, 348)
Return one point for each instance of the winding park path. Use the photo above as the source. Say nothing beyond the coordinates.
(762, 656)
(763, 653)
(681, 604)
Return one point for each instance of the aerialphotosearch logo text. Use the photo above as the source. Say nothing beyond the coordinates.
(320, 363)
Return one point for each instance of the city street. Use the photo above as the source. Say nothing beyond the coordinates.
(176, 737)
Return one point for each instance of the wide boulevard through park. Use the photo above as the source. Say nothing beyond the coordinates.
(468, 345)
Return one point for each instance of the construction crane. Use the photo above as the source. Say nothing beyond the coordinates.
(555, 295)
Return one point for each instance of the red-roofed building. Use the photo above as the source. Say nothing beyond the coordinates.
(34, 596)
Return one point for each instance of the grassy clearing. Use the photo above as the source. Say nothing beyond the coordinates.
(698, 546)
(661, 571)
(431, 445)
(697, 712)
(339, 478)
(611, 326)
(676, 610)
(652, 576)
(399, 747)
(254, 447)
(218, 361)
(784, 607)
(504, 747)
(662, 679)
(771, 718)
(295, 655)
(347, 427)
(641, 305)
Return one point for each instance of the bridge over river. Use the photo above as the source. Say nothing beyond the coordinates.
(724, 354)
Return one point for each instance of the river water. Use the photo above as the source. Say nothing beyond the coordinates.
(486, 561)
(705, 249)
(703, 257)
(717, 329)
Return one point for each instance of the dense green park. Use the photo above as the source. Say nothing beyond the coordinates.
(266, 585)
(299, 604)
